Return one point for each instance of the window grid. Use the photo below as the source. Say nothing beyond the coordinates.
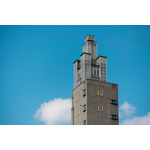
(115, 117)
(113, 101)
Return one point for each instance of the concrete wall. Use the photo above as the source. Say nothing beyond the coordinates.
(75, 73)
(78, 100)
(85, 66)
(90, 47)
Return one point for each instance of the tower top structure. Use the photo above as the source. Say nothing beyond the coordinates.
(90, 66)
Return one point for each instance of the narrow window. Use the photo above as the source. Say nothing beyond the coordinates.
(98, 73)
(97, 92)
(101, 108)
(84, 122)
(94, 72)
(84, 92)
(101, 93)
(97, 108)
(84, 108)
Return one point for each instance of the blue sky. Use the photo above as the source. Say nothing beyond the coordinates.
(36, 64)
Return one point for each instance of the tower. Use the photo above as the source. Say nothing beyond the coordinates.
(94, 100)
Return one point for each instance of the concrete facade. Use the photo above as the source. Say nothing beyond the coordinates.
(94, 101)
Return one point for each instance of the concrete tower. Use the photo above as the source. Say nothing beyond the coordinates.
(94, 100)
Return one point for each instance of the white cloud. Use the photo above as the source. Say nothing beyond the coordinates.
(57, 111)
(126, 110)
(144, 120)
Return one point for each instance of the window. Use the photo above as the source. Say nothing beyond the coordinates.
(84, 122)
(115, 117)
(77, 97)
(98, 73)
(101, 93)
(77, 113)
(84, 108)
(94, 72)
(84, 92)
(113, 101)
(97, 92)
(97, 108)
(101, 108)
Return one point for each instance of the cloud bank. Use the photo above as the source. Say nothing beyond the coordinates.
(57, 111)
(144, 120)
(127, 111)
